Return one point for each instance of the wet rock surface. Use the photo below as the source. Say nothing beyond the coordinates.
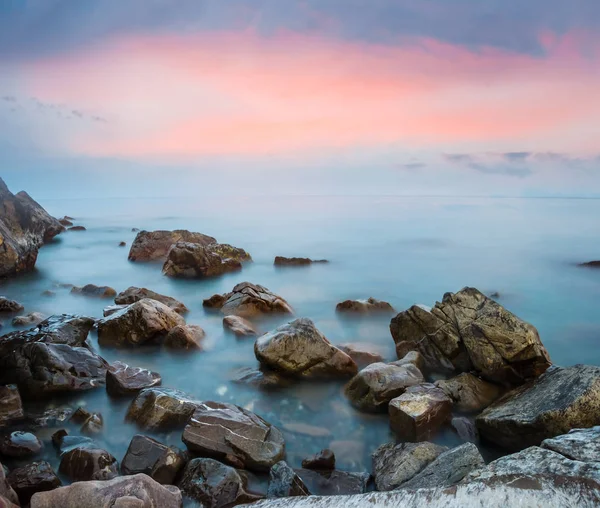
(134, 294)
(194, 261)
(11, 407)
(143, 321)
(59, 329)
(333, 483)
(324, 460)
(262, 379)
(249, 300)
(94, 291)
(185, 337)
(161, 409)
(235, 435)
(155, 245)
(123, 379)
(126, 492)
(83, 464)
(284, 482)
(239, 326)
(469, 393)
(32, 478)
(20, 444)
(468, 331)
(369, 306)
(561, 399)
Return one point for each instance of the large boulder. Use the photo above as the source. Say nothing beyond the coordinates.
(395, 464)
(155, 245)
(469, 393)
(374, 386)
(123, 379)
(160, 462)
(24, 227)
(558, 401)
(284, 482)
(468, 331)
(249, 300)
(140, 322)
(194, 261)
(139, 491)
(134, 294)
(161, 409)
(185, 337)
(369, 306)
(214, 485)
(67, 329)
(32, 478)
(11, 407)
(235, 435)
(299, 349)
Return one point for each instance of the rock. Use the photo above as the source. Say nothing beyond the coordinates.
(468, 331)
(249, 300)
(7, 305)
(134, 294)
(413, 357)
(20, 444)
(93, 425)
(239, 326)
(95, 291)
(235, 435)
(370, 306)
(160, 462)
(419, 412)
(49, 293)
(470, 393)
(65, 222)
(590, 264)
(80, 416)
(465, 428)
(374, 386)
(284, 482)
(135, 230)
(50, 417)
(263, 379)
(138, 491)
(395, 464)
(65, 443)
(558, 401)
(298, 349)
(111, 309)
(305, 429)
(194, 261)
(11, 407)
(24, 227)
(577, 444)
(32, 478)
(214, 485)
(324, 460)
(7, 494)
(333, 483)
(155, 245)
(138, 323)
(123, 379)
(448, 469)
(161, 409)
(84, 464)
(283, 261)
(77, 228)
(58, 329)
(33, 318)
(122, 244)
(363, 354)
(185, 337)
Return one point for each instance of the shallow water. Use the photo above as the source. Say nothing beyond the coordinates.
(402, 250)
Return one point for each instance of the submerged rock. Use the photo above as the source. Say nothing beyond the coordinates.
(95, 291)
(160, 462)
(134, 294)
(84, 464)
(590, 264)
(324, 460)
(558, 401)
(32, 478)
(284, 482)
(239, 326)
(374, 386)
(370, 306)
(77, 228)
(235, 435)
(126, 492)
(249, 300)
(123, 379)
(333, 483)
(140, 322)
(7, 305)
(161, 409)
(468, 331)
(155, 245)
(363, 354)
(470, 393)
(263, 379)
(298, 349)
(20, 444)
(122, 244)
(11, 407)
(192, 261)
(33, 318)
(185, 337)
(283, 261)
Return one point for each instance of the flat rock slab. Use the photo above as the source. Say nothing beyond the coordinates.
(283, 261)
(134, 294)
(333, 483)
(95, 291)
(123, 379)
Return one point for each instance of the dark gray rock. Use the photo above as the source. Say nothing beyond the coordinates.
(194, 261)
(155, 245)
(134, 294)
(10, 306)
(160, 462)
(284, 482)
(7, 494)
(578, 444)
(333, 483)
(68, 329)
(369, 306)
(20, 444)
(262, 379)
(32, 478)
(324, 460)
(111, 309)
(161, 409)
(77, 228)
(11, 407)
(94, 291)
(465, 428)
(123, 379)
(50, 417)
(469, 393)
(249, 300)
(84, 464)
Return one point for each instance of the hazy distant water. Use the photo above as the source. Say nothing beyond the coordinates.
(403, 250)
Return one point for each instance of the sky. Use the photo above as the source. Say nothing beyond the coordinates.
(436, 97)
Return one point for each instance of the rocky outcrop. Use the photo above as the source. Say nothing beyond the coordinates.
(194, 261)
(32, 478)
(249, 300)
(185, 337)
(160, 462)
(139, 491)
(324, 460)
(214, 485)
(283, 261)
(363, 354)
(419, 412)
(369, 306)
(235, 435)
(20, 444)
(469, 393)
(558, 401)
(134, 294)
(24, 227)
(161, 409)
(94, 291)
(298, 349)
(239, 326)
(11, 407)
(468, 331)
(140, 322)
(374, 386)
(33, 318)
(155, 245)
(9, 306)
(395, 464)
(284, 482)
(333, 483)
(85, 464)
(123, 379)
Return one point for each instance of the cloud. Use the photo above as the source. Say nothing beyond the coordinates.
(64, 112)
(516, 156)
(411, 166)
(501, 169)
(9, 98)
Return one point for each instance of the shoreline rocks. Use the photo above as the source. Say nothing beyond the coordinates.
(123, 379)
(94, 291)
(248, 300)
(160, 462)
(88, 464)
(185, 337)
(469, 393)
(159, 409)
(155, 245)
(195, 261)
(134, 294)
(239, 326)
(31, 479)
(9, 306)
(369, 306)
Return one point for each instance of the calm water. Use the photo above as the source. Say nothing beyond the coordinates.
(403, 250)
